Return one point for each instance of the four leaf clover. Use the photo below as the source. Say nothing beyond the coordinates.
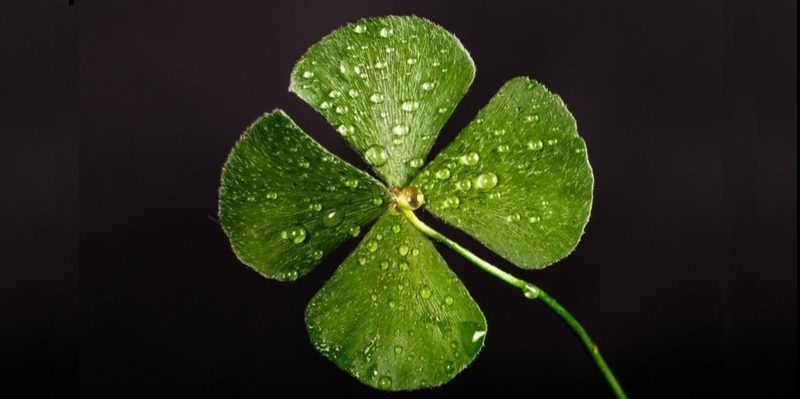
(517, 178)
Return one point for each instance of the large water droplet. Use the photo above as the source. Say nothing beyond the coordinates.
(385, 382)
(486, 181)
(470, 159)
(332, 218)
(376, 155)
(471, 335)
(530, 292)
(295, 234)
(372, 245)
(403, 250)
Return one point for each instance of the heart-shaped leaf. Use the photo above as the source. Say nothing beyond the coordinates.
(517, 178)
(388, 85)
(286, 202)
(394, 315)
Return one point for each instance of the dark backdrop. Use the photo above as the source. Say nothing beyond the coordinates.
(686, 276)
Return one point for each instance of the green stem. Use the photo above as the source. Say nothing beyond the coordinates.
(529, 290)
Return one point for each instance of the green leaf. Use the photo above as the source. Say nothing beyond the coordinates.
(394, 315)
(286, 202)
(517, 178)
(388, 85)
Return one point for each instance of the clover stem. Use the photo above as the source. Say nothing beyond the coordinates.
(529, 290)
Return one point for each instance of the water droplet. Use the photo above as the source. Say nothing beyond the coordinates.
(470, 159)
(354, 231)
(380, 65)
(343, 69)
(295, 234)
(325, 105)
(486, 181)
(362, 261)
(451, 202)
(341, 109)
(411, 61)
(413, 197)
(414, 252)
(377, 201)
(442, 110)
(385, 382)
(530, 291)
(372, 245)
(552, 142)
(396, 228)
(376, 98)
(376, 155)
(272, 195)
(386, 32)
(398, 350)
(317, 255)
(464, 185)
(291, 275)
(352, 183)
(442, 174)
(384, 264)
(304, 164)
(535, 145)
(332, 218)
(425, 293)
(308, 74)
(449, 367)
(353, 93)
(471, 335)
(403, 250)
(404, 266)
(373, 297)
(315, 207)
(335, 94)
(399, 130)
(427, 86)
(531, 118)
(534, 219)
(359, 28)
(345, 130)
(448, 300)
(409, 105)
(503, 148)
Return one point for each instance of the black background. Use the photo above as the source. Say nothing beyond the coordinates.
(686, 276)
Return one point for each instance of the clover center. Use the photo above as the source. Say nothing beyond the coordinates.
(408, 197)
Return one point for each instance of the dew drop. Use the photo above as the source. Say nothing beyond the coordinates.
(384, 264)
(315, 207)
(291, 275)
(325, 105)
(442, 110)
(486, 181)
(409, 105)
(464, 185)
(353, 93)
(376, 98)
(377, 201)
(363, 261)
(403, 266)
(414, 252)
(399, 130)
(359, 29)
(411, 61)
(352, 183)
(295, 234)
(317, 255)
(449, 367)
(552, 142)
(403, 250)
(535, 145)
(376, 155)
(335, 94)
(308, 74)
(503, 148)
(530, 292)
(415, 163)
(372, 245)
(385, 382)
(442, 174)
(451, 202)
(332, 218)
(373, 297)
(396, 228)
(531, 118)
(425, 293)
(386, 32)
(427, 86)
(471, 335)
(341, 109)
(272, 195)
(470, 159)
(534, 219)
(448, 300)
(398, 350)
(345, 130)
(354, 231)
(380, 65)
